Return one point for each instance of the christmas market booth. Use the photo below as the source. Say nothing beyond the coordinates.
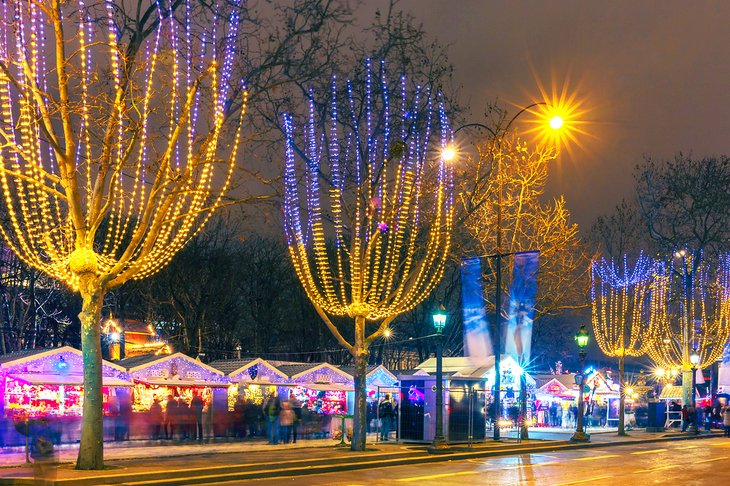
(324, 390)
(556, 399)
(49, 384)
(468, 388)
(603, 399)
(175, 379)
(253, 379)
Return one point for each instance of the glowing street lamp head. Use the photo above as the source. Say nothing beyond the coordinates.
(556, 122)
(448, 154)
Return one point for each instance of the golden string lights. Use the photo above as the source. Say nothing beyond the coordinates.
(368, 209)
(692, 313)
(112, 153)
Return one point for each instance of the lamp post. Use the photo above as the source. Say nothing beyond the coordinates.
(555, 123)
(694, 359)
(439, 442)
(581, 338)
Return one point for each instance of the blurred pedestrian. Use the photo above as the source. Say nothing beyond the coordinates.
(239, 418)
(170, 417)
(286, 421)
(296, 406)
(271, 410)
(385, 412)
(196, 417)
(252, 415)
(726, 420)
(156, 419)
(685, 418)
(42, 452)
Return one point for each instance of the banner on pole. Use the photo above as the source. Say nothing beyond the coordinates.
(477, 341)
(521, 309)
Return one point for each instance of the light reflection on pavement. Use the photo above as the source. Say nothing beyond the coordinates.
(700, 462)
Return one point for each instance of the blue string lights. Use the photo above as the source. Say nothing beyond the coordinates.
(374, 184)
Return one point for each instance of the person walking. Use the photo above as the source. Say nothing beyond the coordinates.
(196, 417)
(155, 419)
(726, 420)
(685, 418)
(252, 414)
(286, 421)
(170, 417)
(272, 409)
(296, 406)
(385, 412)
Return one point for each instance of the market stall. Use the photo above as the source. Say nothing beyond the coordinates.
(252, 379)
(49, 383)
(324, 391)
(175, 379)
(603, 399)
(555, 400)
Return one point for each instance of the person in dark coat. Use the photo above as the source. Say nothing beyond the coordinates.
(271, 410)
(252, 414)
(196, 417)
(156, 419)
(170, 417)
(239, 418)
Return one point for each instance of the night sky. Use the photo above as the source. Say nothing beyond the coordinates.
(653, 78)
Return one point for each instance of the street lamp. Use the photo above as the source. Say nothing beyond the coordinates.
(581, 338)
(439, 442)
(694, 359)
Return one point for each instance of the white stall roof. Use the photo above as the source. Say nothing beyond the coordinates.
(74, 380)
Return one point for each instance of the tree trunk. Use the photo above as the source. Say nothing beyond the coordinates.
(687, 390)
(359, 419)
(622, 397)
(91, 449)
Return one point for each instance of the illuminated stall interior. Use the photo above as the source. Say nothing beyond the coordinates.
(322, 387)
(253, 379)
(49, 382)
(177, 375)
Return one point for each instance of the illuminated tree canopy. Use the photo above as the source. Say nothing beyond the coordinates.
(695, 315)
(622, 305)
(112, 154)
(368, 209)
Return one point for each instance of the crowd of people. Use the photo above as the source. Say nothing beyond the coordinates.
(180, 419)
(282, 418)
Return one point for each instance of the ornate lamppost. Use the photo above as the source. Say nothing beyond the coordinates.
(581, 338)
(439, 442)
(694, 359)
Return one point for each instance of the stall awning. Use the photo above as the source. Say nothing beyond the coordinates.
(671, 392)
(203, 383)
(72, 380)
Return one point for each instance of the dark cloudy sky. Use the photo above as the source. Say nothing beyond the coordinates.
(654, 74)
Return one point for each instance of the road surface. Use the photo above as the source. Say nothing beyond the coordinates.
(696, 462)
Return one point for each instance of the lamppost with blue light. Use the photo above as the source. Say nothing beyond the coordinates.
(439, 442)
(581, 338)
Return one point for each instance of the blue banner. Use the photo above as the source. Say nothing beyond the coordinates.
(521, 309)
(477, 342)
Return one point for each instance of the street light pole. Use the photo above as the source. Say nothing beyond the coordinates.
(439, 444)
(497, 343)
(694, 358)
(582, 339)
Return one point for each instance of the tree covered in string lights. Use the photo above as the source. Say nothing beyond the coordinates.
(368, 209)
(111, 146)
(622, 303)
(693, 316)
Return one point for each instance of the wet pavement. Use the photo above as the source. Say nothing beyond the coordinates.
(703, 462)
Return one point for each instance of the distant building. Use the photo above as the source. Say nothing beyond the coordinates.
(127, 338)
